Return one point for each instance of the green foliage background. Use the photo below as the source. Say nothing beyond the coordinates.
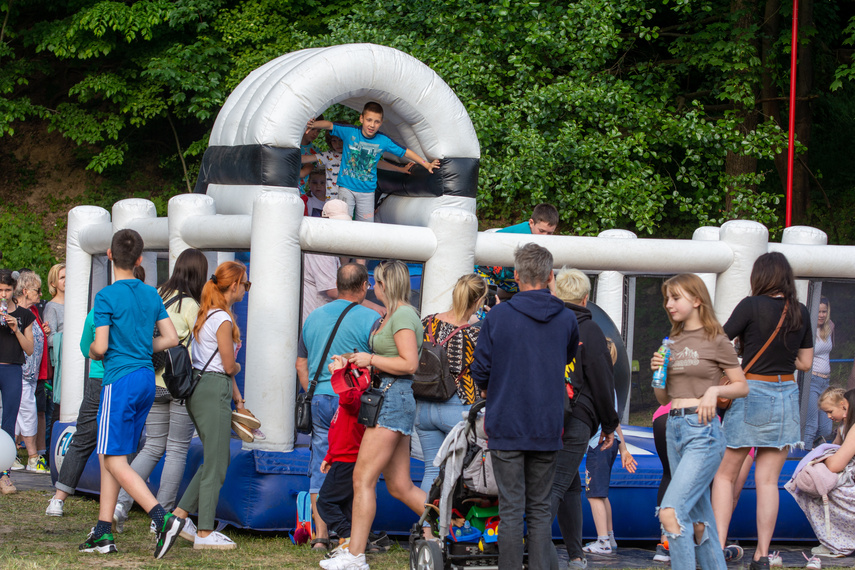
(623, 113)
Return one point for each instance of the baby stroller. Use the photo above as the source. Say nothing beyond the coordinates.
(464, 489)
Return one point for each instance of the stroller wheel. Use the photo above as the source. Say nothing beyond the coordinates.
(426, 555)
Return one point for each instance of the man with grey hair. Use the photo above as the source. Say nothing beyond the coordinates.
(523, 349)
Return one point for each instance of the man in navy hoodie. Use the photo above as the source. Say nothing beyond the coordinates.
(523, 348)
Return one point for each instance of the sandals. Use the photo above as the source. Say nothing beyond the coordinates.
(325, 542)
(245, 418)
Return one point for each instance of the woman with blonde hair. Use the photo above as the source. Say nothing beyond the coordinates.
(434, 420)
(817, 425)
(386, 446)
(700, 355)
(216, 341)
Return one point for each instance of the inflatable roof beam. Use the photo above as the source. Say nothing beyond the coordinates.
(255, 142)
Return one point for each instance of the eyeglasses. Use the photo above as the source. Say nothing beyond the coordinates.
(247, 284)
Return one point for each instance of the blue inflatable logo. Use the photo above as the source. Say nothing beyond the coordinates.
(62, 443)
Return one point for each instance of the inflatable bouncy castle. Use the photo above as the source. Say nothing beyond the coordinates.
(246, 200)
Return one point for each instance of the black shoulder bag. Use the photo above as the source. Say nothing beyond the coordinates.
(303, 409)
(178, 371)
(158, 359)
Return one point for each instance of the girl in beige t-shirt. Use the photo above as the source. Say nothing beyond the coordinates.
(700, 354)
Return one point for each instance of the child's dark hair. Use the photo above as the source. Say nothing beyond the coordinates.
(545, 213)
(374, 107)
(188, 276)
(318, 171)
(850, 414)
(7, 278)
(329, 137)
(126, 247)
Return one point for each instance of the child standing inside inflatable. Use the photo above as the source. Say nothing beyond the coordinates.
(836, 534)
(700, 353)
(363, 149)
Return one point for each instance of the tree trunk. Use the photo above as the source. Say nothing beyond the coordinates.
(769, 93)
(804, 118)
(738, 164)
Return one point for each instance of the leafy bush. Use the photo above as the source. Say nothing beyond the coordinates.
(23, 243)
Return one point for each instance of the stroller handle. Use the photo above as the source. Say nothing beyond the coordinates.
(473, 411)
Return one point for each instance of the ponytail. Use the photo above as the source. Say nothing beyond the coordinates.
(213, 295)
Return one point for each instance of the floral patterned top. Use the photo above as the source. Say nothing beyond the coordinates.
(460, 349)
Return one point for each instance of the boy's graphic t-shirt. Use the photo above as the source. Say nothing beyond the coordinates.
(697, 363)
(361, 154)
(130, 308)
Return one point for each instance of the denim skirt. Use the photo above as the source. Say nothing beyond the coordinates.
(398, 412)
(767, 417)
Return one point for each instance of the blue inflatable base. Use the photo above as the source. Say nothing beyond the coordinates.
(261, 487)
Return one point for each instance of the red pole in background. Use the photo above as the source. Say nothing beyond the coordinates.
(792, 143)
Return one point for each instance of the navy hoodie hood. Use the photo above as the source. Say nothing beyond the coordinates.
(523, 348)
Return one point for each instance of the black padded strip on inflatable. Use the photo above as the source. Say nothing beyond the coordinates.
(258, 165)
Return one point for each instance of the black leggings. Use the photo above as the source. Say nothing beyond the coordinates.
(659, 427)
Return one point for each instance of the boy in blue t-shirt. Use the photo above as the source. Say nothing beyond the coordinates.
(363, 149)
(125, 313)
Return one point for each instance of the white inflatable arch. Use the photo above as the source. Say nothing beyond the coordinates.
(249, 207)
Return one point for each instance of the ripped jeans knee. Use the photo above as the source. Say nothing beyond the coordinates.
(671, 525)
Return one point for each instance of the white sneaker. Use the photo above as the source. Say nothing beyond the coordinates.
(189, 531)
(613, 542)
(120, 515)
(152, 528)
(823, 550)
(813, 563)
(214, 541)
(17, 465)
(54, 508)
(345, 561)
(598, 547)
(775, 560)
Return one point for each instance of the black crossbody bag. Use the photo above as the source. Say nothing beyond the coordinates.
(303, 409)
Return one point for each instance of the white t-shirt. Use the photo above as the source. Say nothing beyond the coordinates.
(332, 163)
(206, 343)
(319, 273)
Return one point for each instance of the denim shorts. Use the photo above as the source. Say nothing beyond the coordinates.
(767, 417)
(398, 412)
(598, 470)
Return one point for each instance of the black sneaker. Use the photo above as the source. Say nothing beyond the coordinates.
(166, 537)
(103, 544)
(762, 564)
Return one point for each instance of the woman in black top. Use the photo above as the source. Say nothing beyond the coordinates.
(16, 339)
(768, 419)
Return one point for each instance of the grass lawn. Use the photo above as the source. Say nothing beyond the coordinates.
(29, 539)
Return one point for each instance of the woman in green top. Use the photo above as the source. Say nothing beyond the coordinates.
(386, 447)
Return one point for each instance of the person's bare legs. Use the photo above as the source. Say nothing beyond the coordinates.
(768, 463)
(723, 489)
(321, 530)
(598, 511)
(115, 473)
(30, 443)
(378, 446)
(398, 481)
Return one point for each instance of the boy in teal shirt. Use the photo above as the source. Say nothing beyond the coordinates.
(125, 313)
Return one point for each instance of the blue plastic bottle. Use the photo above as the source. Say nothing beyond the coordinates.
(660, 375)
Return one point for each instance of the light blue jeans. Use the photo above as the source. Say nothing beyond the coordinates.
(168, 430)
(433, 422)
(816, 421)
(694, 452)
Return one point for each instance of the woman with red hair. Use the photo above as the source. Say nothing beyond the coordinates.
(216, 340)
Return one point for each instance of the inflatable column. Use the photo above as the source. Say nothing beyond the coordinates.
(80, 246)
(748, 241)
(134, 213)
(273, 316)
(456, 230)
(707, 233)
(183, 207)
(809, 293)
(616, 296)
